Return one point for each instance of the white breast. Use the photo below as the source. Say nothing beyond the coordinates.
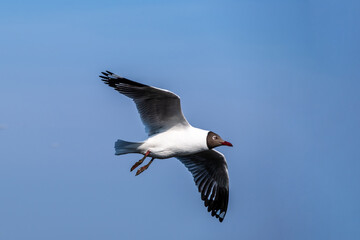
(176, 142)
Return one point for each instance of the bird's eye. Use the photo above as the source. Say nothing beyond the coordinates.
(214, 137)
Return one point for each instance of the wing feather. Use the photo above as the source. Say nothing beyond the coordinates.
(159, 109)
(209, 169)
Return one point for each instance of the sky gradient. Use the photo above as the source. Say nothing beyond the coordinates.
(278, 79)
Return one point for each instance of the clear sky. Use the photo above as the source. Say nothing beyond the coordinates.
(278, 79)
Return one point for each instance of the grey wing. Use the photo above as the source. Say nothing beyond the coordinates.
(210, 173)
(159, 109)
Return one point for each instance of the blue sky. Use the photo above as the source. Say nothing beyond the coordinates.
(278, 79)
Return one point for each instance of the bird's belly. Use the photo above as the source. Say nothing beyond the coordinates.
(173, 144)
(162, 153)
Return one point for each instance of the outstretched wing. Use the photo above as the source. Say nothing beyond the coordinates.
(210, 173)
(159, 109)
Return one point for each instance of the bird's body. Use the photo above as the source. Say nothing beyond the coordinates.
(177, 141)
(170, 135)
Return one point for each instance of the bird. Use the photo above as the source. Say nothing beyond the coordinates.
(171, 135)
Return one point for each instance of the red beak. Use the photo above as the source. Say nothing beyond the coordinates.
(226, 143)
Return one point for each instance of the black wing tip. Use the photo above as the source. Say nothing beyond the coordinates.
(217, 206)
(112, 80)
(221, 215)
(105, 77)
(109, 78)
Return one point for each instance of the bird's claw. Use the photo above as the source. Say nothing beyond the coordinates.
(140, 161)
(137, 164)
(140, 170)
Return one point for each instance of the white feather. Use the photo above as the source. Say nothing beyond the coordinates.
(177, 141)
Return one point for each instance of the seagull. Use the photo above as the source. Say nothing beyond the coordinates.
(170, 135)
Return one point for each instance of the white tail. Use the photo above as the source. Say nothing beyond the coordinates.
(124, 147)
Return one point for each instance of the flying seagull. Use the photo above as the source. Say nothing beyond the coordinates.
(170, 135)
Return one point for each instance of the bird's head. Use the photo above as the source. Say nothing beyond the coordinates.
(214, 140)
